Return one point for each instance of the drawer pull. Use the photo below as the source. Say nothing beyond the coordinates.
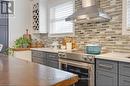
(105, 66)
(126, 81)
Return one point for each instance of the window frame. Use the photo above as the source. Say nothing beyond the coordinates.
(51, 11)
(125, 30)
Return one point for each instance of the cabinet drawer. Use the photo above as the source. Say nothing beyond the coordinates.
(34, 53)
(124, 68)
(124, 81)
(39, 54)
(54, 64)
(106, 78)
(52, 56)
(38, 60)
(106, 65)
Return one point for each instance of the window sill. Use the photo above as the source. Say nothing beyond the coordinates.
(61, 35)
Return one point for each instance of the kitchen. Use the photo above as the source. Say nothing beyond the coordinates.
(78, 37)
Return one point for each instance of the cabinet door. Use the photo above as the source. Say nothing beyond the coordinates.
(34, 53)
(39, 57)
(106, 65)
(54, 64)
(40, 54)
(124, 69)
(43, 16)
(52, 56)
(124, 81)
(105, 78)
(4, 37)
(24, 55)
(38, 60)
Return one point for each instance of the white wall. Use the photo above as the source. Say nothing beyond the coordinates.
(20, 21)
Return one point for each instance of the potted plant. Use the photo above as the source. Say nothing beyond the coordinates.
(22, 42)
(18, 43)
(25, 42)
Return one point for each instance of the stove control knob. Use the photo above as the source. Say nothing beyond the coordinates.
(63, 55)
(85, 59)
(90, 59)
(93, 56)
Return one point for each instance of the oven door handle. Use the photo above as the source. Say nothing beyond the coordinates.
(78, 65)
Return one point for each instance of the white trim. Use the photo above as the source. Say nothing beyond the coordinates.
(125, 30)
(62, 35)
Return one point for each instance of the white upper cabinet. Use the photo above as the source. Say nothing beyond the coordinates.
(39, 16)
(126, 17)
(43, 16)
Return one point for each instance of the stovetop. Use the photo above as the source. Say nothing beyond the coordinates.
(89, 58)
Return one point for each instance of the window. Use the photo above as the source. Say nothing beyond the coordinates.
(126, 17)
(128, 14)
(58, 25)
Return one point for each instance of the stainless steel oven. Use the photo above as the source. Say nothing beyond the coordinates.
(80, 66)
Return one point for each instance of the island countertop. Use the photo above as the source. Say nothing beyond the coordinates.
(15, 72)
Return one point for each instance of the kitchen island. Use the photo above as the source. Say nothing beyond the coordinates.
(16, 72)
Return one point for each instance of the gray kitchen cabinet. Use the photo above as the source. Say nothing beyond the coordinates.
(106, 65)
(38, 60)
(39, 54)
(54, 64)
(124, 69)
(124, 74)
(52, 60)
(45, 58)
(39, 57)
(124, 80)
(106, 73)
(52, 56)
(105, 78)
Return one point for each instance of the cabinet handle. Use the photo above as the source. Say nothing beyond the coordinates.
(126, 81)
(105, 66)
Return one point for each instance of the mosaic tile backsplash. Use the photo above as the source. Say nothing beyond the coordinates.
(109, 34)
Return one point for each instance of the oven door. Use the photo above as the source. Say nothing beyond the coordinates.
(83, 70)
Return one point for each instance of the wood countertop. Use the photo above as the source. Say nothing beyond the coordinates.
(15, 72)
(20, 49)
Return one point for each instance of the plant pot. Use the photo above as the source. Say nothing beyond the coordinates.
(25, 45)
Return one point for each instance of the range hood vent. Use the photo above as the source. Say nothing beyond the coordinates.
(91, 12)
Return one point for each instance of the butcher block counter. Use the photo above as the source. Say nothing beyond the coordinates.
(16, 72)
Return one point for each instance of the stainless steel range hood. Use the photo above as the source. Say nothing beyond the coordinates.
(90, 12)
